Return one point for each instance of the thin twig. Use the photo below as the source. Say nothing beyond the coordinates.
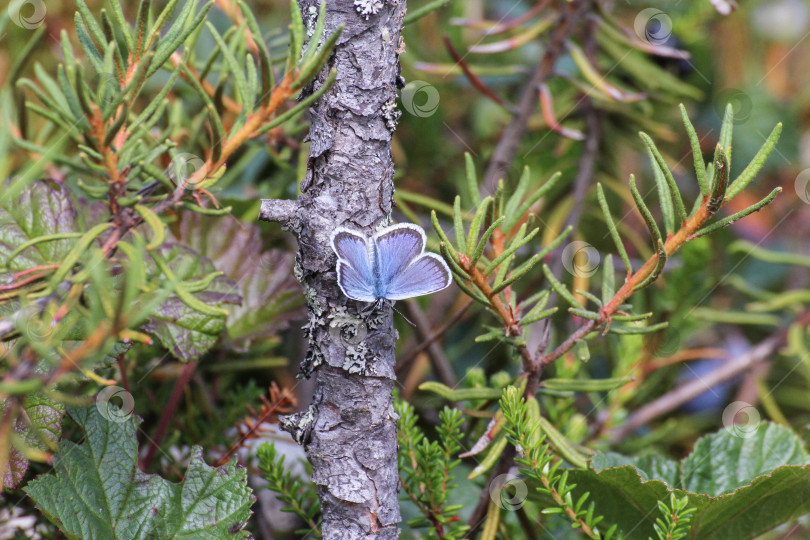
(168, 411)
(437, 357)
(674, 399)
(417, 350)
(569, 15)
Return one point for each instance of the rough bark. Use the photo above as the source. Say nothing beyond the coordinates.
(349, 432)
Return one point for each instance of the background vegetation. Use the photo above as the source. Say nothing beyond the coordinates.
(151, 327)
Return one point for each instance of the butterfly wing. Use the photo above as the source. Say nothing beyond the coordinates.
(395, 248)
(354, 273)
(425, 275)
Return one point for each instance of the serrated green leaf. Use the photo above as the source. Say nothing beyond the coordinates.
(737, 479)
(98, 491)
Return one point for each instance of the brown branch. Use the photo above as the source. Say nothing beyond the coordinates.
(280, 402)
(673, 243)
(570, 14)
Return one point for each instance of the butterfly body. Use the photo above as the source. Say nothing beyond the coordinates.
(391, 265)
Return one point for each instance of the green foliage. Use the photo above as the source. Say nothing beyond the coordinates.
(129, 167)
(109, 254)
(35, 433)
(674, 524)
(545, 470)
(299, 495)
(97, 490)
(425, 469)
(746, 466)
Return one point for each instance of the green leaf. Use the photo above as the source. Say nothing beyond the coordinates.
(697, 155)
(732, 458)
(655, 233)
(659, 165)
(560, 288)
(664, 194)
(40, 431)
(234, 67)
(726, 130)
(98, 491)
(585, 385)
(185, 331)
(756, 163)
(460, 394)
(614, 232)
(742, 481)
(725, 222)
(272, 297)
(564, 447)
(44, 209)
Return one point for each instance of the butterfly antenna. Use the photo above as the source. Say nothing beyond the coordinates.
(403, 316)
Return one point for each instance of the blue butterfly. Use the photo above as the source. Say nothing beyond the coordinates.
(391, 265)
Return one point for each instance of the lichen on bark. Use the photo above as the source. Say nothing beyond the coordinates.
(351, 432)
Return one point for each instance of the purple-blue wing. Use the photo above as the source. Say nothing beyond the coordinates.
(427, 274)
(354, 285)
(354, 273)
(396, 247)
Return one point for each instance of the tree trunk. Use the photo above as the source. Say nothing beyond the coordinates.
(349, 432)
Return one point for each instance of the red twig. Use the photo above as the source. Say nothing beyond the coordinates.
(168, 412)
(474, 79)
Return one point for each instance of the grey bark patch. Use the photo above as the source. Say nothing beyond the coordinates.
(352, 438)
